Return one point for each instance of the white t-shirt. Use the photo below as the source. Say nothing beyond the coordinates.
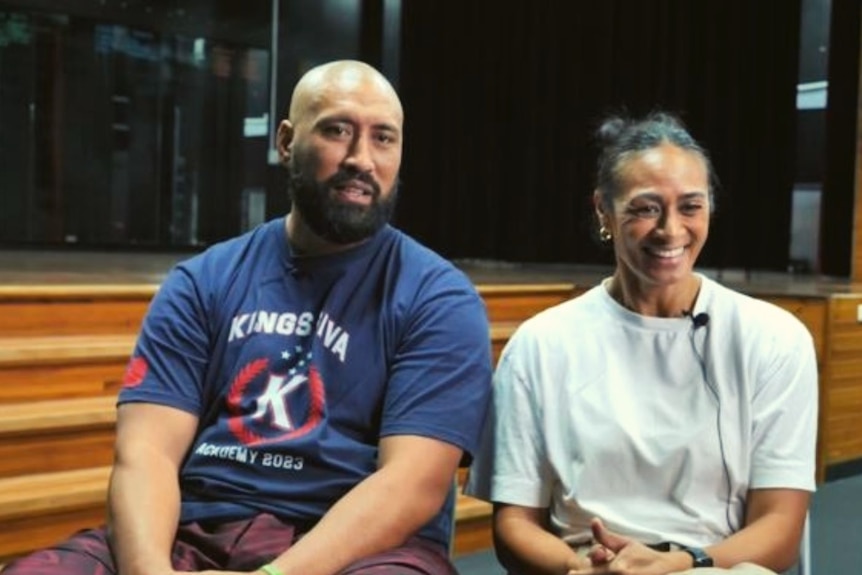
(655, 425)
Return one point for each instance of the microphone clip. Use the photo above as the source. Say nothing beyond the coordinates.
(698, 320)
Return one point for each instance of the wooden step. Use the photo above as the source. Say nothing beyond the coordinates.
(33, 310)
(53, 350)
(54, 367)
(69, 415)
(501, 331)
(42, 509)
(515, 303)
(56, 436)
(473, 522)
(40, 493)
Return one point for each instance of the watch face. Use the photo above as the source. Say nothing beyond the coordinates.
(701, 559)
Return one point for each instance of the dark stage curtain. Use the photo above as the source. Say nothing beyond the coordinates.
(839, 183)
(501, 100)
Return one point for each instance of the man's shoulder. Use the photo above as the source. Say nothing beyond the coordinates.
(417, 259)
(238, 249)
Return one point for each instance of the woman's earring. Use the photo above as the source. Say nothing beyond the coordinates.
(605, 234)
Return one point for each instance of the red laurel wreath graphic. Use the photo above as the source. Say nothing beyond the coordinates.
(234, 400)
(317, 401)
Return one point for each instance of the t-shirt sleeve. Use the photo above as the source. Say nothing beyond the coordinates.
(169, 361)
(440, 379)
(784, 432)
(512, 466)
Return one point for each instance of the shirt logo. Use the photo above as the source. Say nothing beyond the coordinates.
(269, 406)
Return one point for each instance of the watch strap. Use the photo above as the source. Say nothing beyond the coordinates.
(700, 558)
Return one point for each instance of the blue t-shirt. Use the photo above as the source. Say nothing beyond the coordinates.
(297, 366)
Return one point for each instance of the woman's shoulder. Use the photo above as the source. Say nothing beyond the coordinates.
(750, 313)
(571, 318)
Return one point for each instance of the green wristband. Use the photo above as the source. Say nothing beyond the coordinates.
(271, 569)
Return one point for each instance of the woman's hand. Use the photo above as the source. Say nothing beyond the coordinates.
(618, 555)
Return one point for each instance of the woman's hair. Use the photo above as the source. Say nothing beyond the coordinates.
(620, 138)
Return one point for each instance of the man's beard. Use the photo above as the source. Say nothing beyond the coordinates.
(337, 221)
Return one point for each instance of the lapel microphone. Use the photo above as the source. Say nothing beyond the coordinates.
(699, 320)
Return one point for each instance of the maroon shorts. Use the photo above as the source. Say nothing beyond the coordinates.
(242, 545)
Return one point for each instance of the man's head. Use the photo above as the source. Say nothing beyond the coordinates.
(342, 146)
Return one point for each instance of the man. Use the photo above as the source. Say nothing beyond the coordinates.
(300, 397)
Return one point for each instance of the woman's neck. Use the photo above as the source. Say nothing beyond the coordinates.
(672, 300)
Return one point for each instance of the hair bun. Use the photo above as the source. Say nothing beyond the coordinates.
(610, 130)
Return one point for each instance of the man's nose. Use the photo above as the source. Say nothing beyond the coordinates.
(359, 154)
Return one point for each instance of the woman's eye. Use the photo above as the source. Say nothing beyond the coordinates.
(650, 210)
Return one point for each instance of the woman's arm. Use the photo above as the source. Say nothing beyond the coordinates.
(525, 546)
(773, 528)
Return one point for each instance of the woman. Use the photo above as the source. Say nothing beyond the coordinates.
(660, 422)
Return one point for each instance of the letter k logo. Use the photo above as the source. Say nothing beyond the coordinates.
(275, 398)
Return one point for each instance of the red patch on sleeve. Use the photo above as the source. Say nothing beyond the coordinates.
(135, 372)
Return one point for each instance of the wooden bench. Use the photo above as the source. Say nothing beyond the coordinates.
(56, 436)
(55, 367)
(37, 510)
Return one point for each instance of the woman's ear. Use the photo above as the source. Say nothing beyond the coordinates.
(598, 205)
(283, 141)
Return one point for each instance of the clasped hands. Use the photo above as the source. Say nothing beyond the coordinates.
(614, 554)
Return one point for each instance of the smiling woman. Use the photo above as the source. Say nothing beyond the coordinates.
(660, 421)
(653, 202)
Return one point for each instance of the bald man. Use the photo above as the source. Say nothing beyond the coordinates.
(299, 397)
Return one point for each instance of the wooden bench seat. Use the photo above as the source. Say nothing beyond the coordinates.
(472, 525)
(55, 436)
(41, 493)
(41, 368)
(58, 415)
(53, 350)
(515, 303)
(38, 510)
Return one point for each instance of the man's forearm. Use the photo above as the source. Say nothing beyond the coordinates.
(143, 508)
(378, 514)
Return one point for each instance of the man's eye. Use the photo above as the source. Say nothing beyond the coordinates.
(336, 130)
(691, 208)
(385, 138)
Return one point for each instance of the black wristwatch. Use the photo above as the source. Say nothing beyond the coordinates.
(699, 556)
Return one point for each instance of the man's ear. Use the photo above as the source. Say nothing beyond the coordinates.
(283, 141)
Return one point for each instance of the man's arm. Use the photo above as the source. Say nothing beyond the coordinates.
(525, 546)
(412, 481)
(144, 494)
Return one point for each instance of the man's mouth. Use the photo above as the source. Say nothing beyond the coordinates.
(355, 190)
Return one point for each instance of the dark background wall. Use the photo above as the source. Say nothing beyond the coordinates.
(502, 103)
(500, 106)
